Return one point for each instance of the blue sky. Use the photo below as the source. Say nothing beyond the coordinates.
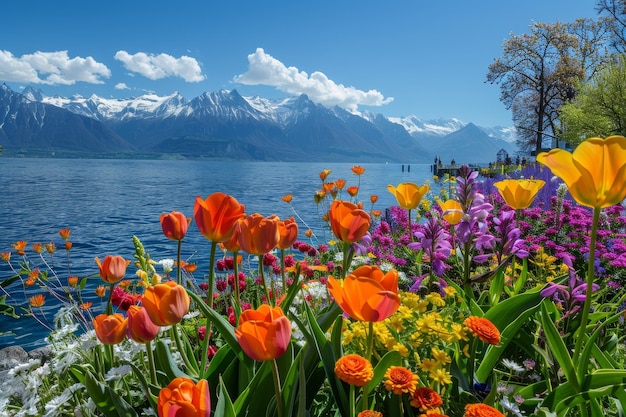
(398, 58)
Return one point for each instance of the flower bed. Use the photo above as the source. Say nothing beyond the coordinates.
(496, 297)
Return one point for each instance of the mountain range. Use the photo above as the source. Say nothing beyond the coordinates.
(226, 125)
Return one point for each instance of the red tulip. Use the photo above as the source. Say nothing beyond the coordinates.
(174, 225)
(141, 329)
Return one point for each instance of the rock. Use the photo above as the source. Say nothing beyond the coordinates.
(44, 354)
(11, 356)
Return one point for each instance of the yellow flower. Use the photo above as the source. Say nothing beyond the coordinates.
(408, 194)
(595, 173)
(440, 375)
(519, 194)
(452, 211)
(400, 348)
(429, 365)
(440, 356)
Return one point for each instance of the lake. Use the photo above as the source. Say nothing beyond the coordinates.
(105, 202)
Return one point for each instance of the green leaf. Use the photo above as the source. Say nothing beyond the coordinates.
(165, 362)
(520, 307)
(557, 346)
(495, 289)
(224, 407)
(107, 401)
(6, 309)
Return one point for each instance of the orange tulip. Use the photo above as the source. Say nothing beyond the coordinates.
(288, 231)
(287, 198)
(408, 194)
(367, 294)
(232, 244)
(5, 256)
(373, 199)
(258, 235)
(264, 333)
(595, 173)
(50, 247)
(452, 211)
(112, 268)
(37, 247)
(64, 233)
(110, 329)
(348, 222)
(340, 183)
(184, 398)
(174, 225)
(216, 217)
(166, 303)
(519, 194)
(141, 329)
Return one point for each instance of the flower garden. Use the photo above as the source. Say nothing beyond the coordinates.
(496, 297)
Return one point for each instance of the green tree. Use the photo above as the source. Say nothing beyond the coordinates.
(599, 108)
(538, 72)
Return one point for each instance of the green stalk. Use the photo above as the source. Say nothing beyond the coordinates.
(282, 270)
(278, 389)
(590, 278)
(368, 355)
(153, 375)
(262, 273)
(178, 273)
(205, 347)
(352, 402)
(236, 287)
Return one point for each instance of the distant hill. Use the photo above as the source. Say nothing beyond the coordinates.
(226, 125)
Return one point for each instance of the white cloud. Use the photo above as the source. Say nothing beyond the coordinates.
(51, 68)
(160, 66)
(264, 69)
(121, 86)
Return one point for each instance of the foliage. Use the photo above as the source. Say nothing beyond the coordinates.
(490, 313)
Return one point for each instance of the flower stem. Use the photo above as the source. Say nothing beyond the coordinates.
(352, 402)
(153, 375)
(236, 287)
(205, 347)
(368, 356)
(277, 387)
(590, 278)
(178, 273)
(262, 273)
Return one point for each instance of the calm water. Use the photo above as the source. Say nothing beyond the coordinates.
(106, 202)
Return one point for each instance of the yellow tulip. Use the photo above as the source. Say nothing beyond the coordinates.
(408, 194)
(452, 211)
(519, 194)
(595, 173)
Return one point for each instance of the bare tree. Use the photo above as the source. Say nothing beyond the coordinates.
(538, 73)
(615, 10)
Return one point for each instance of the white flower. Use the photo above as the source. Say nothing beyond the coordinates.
(512, 365)
(167, 265)
(117, 373)
(511, 406)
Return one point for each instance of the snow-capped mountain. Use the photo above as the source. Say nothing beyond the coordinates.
(225, 124)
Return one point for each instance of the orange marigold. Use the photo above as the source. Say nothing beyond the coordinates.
(481, 410)
(399, 380)
(425, 398)
(354, 369)
(19, 246)
(370, 413)
(435, 412)
(484, 329)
